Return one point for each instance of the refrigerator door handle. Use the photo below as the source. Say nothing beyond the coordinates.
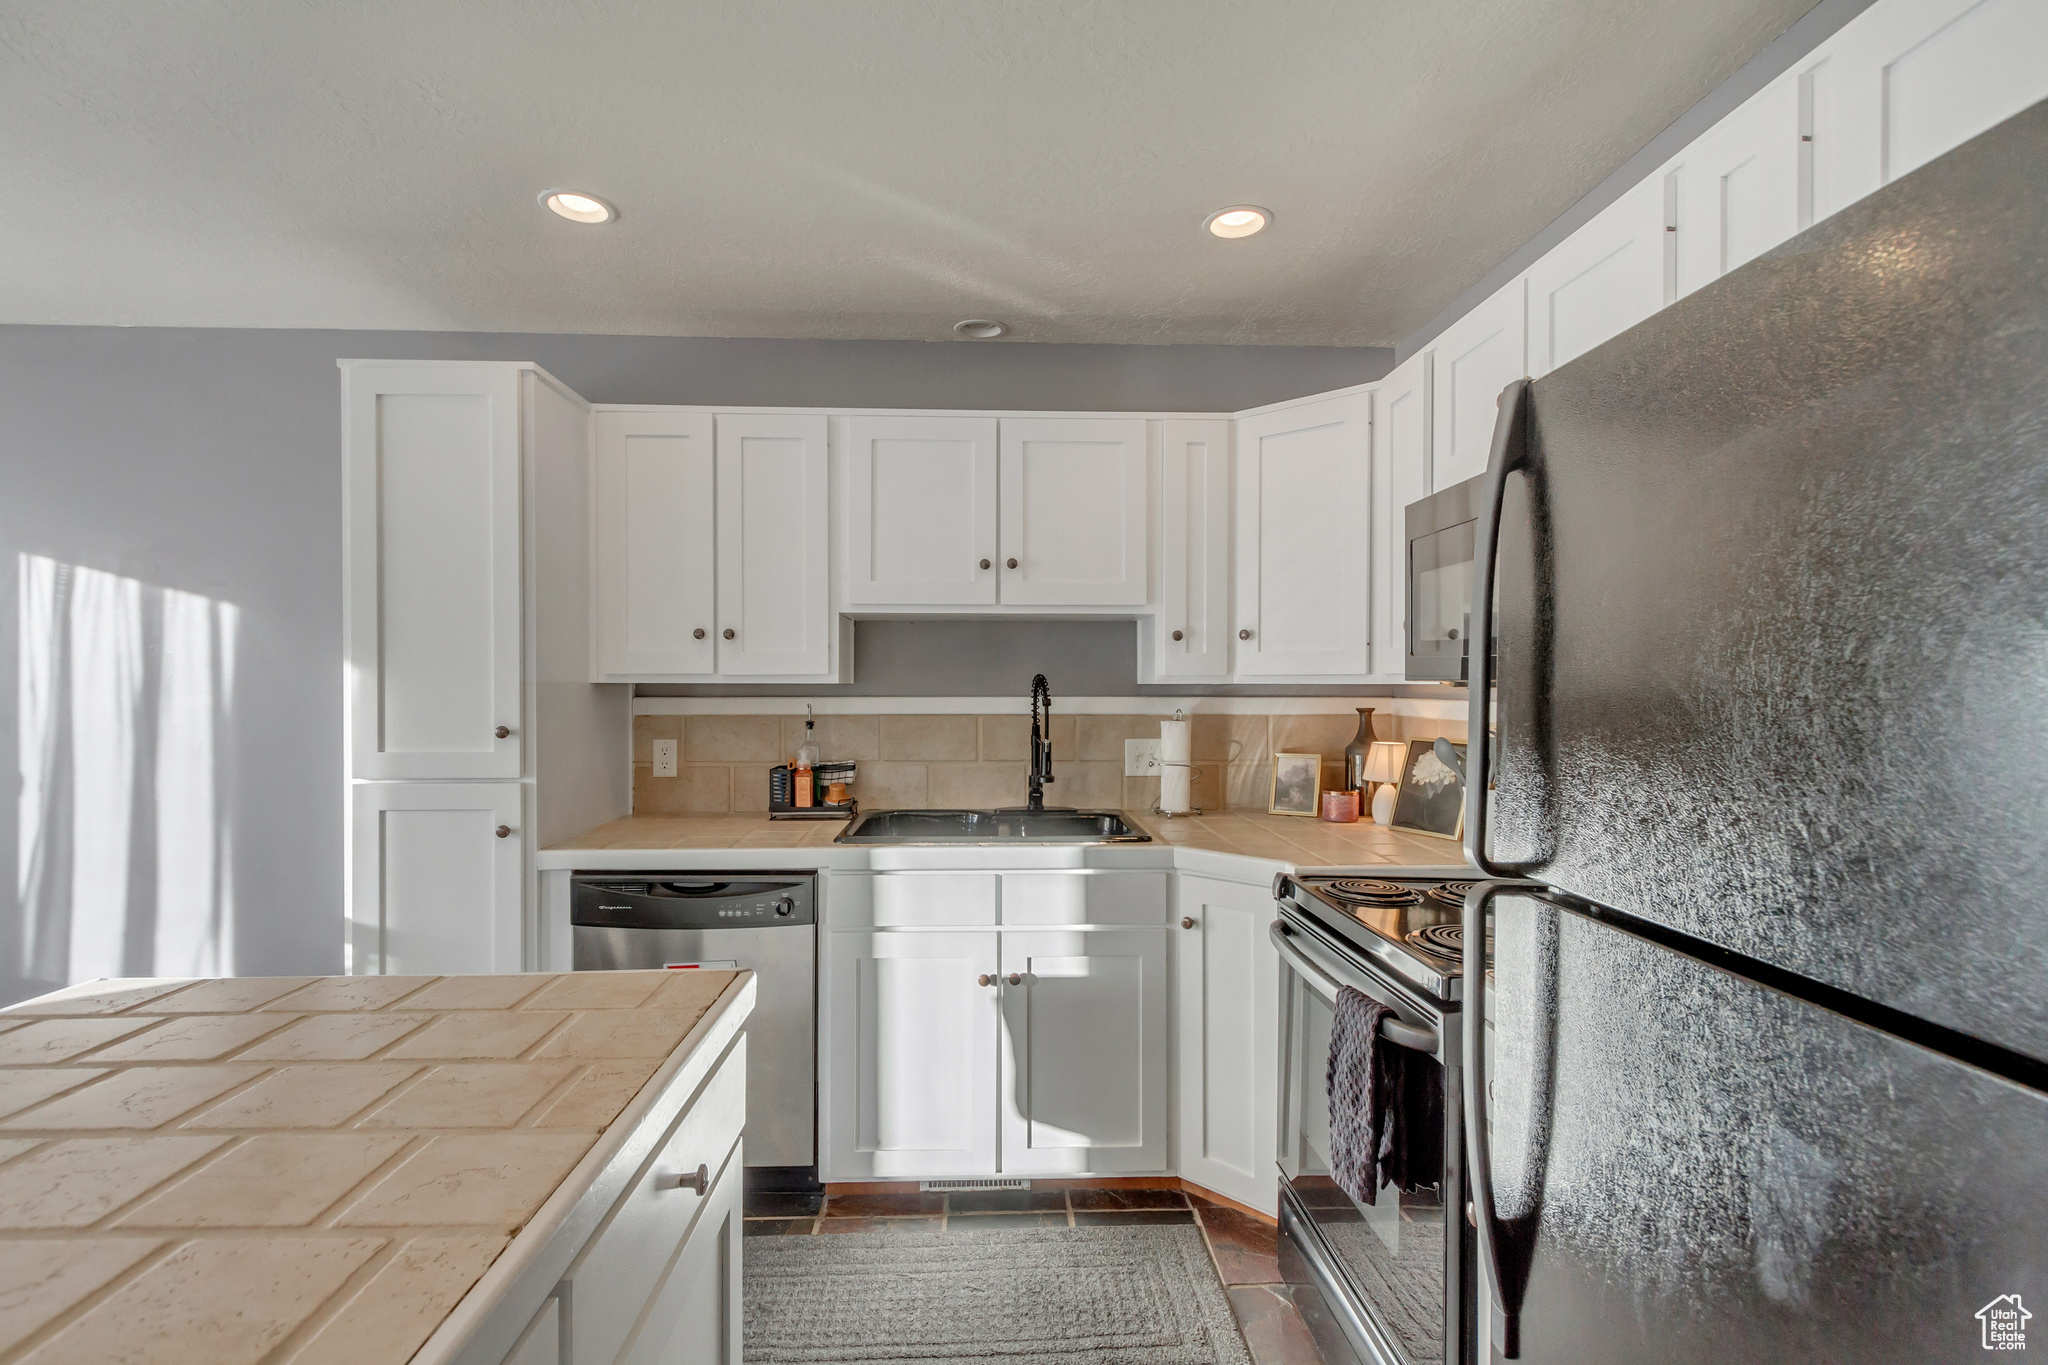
(1510, 452)
(1506, 1297)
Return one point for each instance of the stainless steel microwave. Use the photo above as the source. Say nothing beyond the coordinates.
(1442, 533)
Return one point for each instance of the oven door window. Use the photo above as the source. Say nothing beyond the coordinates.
(1392, 1250)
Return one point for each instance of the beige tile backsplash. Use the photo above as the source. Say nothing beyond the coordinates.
(942, 761)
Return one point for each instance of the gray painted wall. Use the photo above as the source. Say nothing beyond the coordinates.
(1813, 28)
(175, 497)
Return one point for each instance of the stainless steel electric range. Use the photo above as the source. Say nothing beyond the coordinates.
(1391, 1282)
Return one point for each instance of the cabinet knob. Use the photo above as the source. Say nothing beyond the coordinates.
(984, 980)
(503, 732)
(1176, 635)
(697, 634)
(698, 1181)
(1015, 978)
(1011, 562)
(504, 831)
(728, 632)
(1244, 635)
(1187, 922)
(984, 563)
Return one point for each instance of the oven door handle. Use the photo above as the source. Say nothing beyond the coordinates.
(1392, 1029)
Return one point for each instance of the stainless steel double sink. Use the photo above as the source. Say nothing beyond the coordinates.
(991, 827)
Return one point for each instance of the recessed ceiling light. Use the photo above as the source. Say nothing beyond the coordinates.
(981, 329)
(1239, 220)
(579, 207)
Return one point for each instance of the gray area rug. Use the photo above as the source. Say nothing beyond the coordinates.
(1050, 1296)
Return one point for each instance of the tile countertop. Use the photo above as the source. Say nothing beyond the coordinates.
(1191, 843)
(321, 1169)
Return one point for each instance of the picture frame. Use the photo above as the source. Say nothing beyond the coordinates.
(1297, 784)
(1431, 796)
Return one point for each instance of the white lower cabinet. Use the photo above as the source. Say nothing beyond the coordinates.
(659, 1282)
(1226, 1004)
(1084, 1051)
(435, 887)
(910, 1045)
(1034, 1046)
(696, 1316)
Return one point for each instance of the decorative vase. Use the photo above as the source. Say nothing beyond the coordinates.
(1356, 751)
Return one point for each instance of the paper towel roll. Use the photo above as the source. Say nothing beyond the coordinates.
(1175, 780)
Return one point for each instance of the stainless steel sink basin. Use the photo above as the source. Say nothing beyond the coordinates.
(991, 827)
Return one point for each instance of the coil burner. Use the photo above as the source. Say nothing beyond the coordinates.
(1451, 894)
(1440, 943)
(1378, 895)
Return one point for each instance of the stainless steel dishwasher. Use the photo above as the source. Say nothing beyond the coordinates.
(766, 922)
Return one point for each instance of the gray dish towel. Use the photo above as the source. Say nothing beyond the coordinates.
(1386, 1105)
(1358, 1086)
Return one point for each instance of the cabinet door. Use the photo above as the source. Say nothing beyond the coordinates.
(1073, 511)
(1084, 1051)
(1478, 356)
(1902, 83)
(1603, 279)
(1226, 1011)
(434, 888)
(774, 555)
(1304, 539)
(656, 545)
(1191, 633)
(908, 1073)
(432, 455)
(921, 510)
(1400, 445)
(695, 1316)
(541, 1342)
(1736, 188)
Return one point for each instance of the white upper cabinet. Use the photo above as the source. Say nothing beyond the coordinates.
(1477, 356)
(1304, 539)
(656, 545)
(1400, 459)
(1073, 511)
(1191, 634)
(921, 511)
(1907, 80)
(1597, 283)
(1735, 190)
(774, 548)
(433, 467)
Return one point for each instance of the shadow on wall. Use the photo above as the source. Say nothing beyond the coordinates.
(126, 722)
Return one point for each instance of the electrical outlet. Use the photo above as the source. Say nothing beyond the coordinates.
(1141, 758)
(664, 758)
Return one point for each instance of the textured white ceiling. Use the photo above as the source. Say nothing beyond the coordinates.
(818, 168)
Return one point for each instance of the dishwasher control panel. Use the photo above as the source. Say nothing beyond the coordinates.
(693, 900)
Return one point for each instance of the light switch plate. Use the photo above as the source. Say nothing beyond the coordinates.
(1141, 758)
(664, 758)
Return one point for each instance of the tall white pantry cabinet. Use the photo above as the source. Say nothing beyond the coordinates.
(466, 642)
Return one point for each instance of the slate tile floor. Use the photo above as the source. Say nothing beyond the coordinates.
(1243, 1249)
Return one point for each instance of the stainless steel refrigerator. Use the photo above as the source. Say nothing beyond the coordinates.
(1766, 1054)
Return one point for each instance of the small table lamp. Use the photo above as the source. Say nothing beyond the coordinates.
(1383, 766)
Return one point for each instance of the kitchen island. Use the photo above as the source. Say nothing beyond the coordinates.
(462, 1169)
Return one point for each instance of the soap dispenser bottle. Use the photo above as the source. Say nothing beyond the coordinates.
(806, 765)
